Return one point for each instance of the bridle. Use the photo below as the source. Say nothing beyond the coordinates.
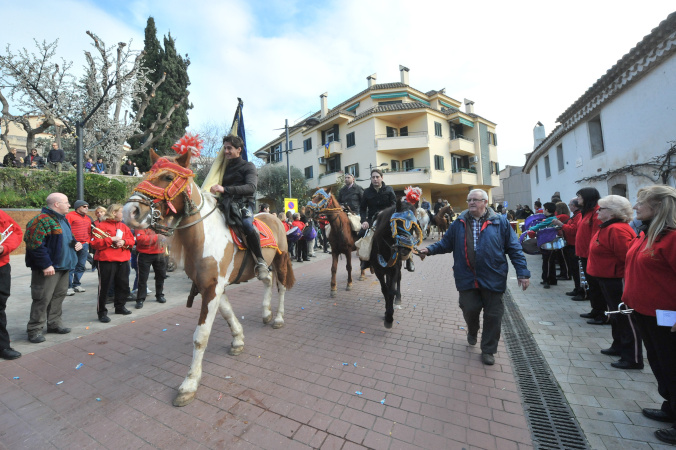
(403, 225)
(151, 195)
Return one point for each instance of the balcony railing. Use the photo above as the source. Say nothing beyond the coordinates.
(463, 146)
(468, 178)
(335, 148)
(414, 139)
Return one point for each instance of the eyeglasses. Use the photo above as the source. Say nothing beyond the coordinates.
(602, 209)
(475, 200)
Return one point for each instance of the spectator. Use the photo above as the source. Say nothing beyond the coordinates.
(55, 158)
(563, 214)
(350, 195)
(7, 225)
(606, 263)
(572, 261)
(649, 276)
(10, 159)
(527, 212)
(481, 271)
(34, 161)
(548, 256)
(538, 207)
(81, 225)
(301, 244)
(425, 204)
(89, 165)
(112, 244)
(100, 166)
(128, 168)
(51, 253)
(150, 247)
(265, 208)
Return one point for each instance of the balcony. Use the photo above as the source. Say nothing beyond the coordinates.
(328, 179)
(402, 144)
(335, 148)
(465, 177)
(462, 146)
(414, 176)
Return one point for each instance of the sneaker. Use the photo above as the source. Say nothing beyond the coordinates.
(104, 319)
(70, 292)
(487, 359)
(79, 289)
(36, 338)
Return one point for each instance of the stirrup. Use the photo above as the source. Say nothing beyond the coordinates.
(261, 269)
(409, 265)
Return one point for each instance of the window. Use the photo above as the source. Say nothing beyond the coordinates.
(333, 164)
(495, 168)
(330, 135)
(460, 162)
(353, 169)
(350, 139)
(276, 153)
(619, 189)
(492, 138)
(437, 129)
(390, 102)
(438, 162)
(595, 136)
(309, 173)
(559, 156)
(457, 131)
(537, 175)
(391, 131)
(290, 145)
(548, 172)
(307, 145)
(403, 131)
(408, 164)
(395, 165)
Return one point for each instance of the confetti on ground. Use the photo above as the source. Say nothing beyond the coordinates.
(133, 321)
(228, 377)
(378, 301)
(414, 306)
(355, 364)
(362, 332)
(16, 378)
(359, 393)
(397, 321)
(78, 366)
(86, 328)
(60, 382)
(382, 402)
(242, 317)
(345, 364)
(176, 324)
(91, 354)
(98, 399)
(462, 328)
(220, 395)
(302, 307)
(334, 304)
(164, 329)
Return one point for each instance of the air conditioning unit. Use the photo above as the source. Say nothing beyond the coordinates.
(473, 159)
(322, 160)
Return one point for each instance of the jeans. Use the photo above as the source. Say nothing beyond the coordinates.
(75, 275)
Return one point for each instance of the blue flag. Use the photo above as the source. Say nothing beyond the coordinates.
(238, 127)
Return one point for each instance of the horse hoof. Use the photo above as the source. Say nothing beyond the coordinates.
(277, 324)
(397, 301)
(184, 398)
(267, 319)
(349, 287)
(388, 325)
(334, 293)
(362, 278)
(234, 351)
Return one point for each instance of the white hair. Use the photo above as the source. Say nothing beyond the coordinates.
(484, 194)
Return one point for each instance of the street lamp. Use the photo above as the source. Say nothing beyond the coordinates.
(311, 122)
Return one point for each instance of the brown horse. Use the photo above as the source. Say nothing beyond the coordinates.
(441, 220)
(169, 201)
(341, 237)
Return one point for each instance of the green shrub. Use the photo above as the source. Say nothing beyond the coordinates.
(98, 189)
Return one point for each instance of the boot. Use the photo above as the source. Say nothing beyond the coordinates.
(364, 265)
(253, 240)
(409, 265)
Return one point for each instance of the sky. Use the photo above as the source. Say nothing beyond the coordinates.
(520, 62)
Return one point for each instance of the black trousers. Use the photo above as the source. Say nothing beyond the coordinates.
(301, 250)
(626, 337)
(5, 284)
(598, 303)
(660, 345)
(549, 266)
(573, 266)
(159, 264)
(116, 274)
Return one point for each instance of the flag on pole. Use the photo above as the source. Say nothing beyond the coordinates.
(237, 128)
(327, 152)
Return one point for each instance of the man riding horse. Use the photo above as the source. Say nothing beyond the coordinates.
(238, 188)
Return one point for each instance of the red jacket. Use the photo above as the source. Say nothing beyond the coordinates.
(608, 250)
(14, 239)
(298, 223)
(570, 229)
(103, 246)
(81, 226)
(649, 276)
(147, 242)
(586, 228)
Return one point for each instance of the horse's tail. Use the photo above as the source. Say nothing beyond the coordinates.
(285, 270)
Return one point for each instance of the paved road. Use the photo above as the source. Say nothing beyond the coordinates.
(290, 387)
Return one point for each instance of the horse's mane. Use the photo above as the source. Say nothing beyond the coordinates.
(383, 222)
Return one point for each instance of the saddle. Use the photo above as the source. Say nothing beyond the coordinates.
(267, 238)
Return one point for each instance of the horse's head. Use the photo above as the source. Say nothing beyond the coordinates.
(323, 199)
(158, 197)
(404, 230)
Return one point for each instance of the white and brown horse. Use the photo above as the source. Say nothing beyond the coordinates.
(169, 201)
(423, 220)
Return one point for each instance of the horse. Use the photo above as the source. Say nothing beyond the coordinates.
(169, 201)
(423, 220)
(441, 220)
(341, 237)
(396, 233)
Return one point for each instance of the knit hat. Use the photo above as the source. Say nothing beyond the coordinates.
(80, 203)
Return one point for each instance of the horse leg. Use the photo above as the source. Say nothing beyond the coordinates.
(187, 390)
(348, 266)
(279, 318)
(387, 287)
(236, 329)
(334, 269)
(397, 292)
(267, 297)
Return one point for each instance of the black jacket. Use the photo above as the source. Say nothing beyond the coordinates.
(38, 160)
(374, 201)
(10, 160)
(351, 197)
(127, 169)
(56, 155)
(240, 180)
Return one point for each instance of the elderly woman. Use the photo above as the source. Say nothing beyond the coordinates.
(649, 276)
(606, 262)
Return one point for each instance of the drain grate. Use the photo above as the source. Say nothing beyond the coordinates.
(551, 420)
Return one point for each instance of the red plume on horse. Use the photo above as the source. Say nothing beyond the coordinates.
(169, 201)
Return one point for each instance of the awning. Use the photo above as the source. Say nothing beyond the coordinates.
(466, 122)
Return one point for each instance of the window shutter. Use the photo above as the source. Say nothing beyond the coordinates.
(336, 136)
(356, 170)
(495, 139)
(403, 131)
(323, 137)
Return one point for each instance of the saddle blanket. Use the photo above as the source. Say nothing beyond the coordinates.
(267, 238)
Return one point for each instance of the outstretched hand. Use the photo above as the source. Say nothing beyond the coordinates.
(524, 283)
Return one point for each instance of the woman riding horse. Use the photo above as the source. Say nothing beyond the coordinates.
(376, 198)
(238, 188)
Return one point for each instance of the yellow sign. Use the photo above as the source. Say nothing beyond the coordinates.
(291, 204)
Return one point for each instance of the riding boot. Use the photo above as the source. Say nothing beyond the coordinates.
(409, 265)
(253, 240)
(364, 265)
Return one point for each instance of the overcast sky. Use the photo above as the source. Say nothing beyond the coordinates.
(520, 62)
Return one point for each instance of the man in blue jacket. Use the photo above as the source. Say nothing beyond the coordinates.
(479, 240)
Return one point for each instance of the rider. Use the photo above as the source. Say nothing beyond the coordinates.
(351, 194)
(377, 197)
(238, 188)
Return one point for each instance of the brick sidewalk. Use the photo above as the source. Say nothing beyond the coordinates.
(288, 389)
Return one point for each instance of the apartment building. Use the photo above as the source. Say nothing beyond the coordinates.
(417, 138)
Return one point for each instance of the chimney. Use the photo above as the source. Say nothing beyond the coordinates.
(538, 134)
(404, 74)
(325, 106)
(372, 79)
(469, 106)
